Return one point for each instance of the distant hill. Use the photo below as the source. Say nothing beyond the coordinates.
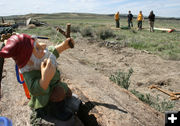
(59, 16)
(74, 16)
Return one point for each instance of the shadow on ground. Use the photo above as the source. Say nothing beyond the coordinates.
(82, 118)
(90, 119)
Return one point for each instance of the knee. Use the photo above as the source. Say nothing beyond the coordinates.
(58, 94)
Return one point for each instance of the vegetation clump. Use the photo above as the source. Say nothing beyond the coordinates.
(87, 32)
(156, 103)
(105, 33)
(75, 28)
(122, 78)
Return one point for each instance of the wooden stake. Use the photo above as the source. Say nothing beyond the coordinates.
(68, 30)
(67, 33)
(173, 95)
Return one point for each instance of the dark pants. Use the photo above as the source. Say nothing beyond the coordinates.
(139, 25)
(117, 23)
(48, 114)
(130, 23)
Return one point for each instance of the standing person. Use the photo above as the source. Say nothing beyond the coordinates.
(130, 18)
(116, 18)
(151, 21)
(140, 18)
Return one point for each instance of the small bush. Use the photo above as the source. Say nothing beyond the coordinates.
(122, 78)
(75, 28)
(105, 33)
(161, 106)
(145, 98)
(87, 32)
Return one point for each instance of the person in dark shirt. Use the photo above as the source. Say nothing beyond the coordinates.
(130, 17)
(151, 18)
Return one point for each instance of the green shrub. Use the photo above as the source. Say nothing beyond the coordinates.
(75, 28)
(156, 103)
(105, 33)
(162, 106)
(122, 78)
(87, 32)
(145, 98)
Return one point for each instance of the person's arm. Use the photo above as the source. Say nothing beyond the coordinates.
(132, 17)
(47, 72)
(137, 17)
(64, 45)
(38, 81)
(32, 80)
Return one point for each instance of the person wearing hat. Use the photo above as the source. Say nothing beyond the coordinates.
(39, 68)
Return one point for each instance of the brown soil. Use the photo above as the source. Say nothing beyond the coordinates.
(86, 69)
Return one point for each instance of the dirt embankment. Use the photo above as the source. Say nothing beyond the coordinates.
(86, 69)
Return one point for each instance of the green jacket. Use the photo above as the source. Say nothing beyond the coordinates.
(39, 96)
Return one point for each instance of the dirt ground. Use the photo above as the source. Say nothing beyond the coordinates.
(86, 69)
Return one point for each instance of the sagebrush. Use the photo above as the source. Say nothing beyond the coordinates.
(156, 103)
(122, 78)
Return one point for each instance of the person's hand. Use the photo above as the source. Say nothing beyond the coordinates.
(66, 43)
(47, 72)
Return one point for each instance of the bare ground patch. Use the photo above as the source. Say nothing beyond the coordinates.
(86, 69)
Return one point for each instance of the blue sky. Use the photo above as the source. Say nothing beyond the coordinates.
(165, 8)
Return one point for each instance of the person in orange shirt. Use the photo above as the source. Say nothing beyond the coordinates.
(140, 18)
(116, 18)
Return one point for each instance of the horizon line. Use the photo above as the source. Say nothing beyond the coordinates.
(80, 13)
